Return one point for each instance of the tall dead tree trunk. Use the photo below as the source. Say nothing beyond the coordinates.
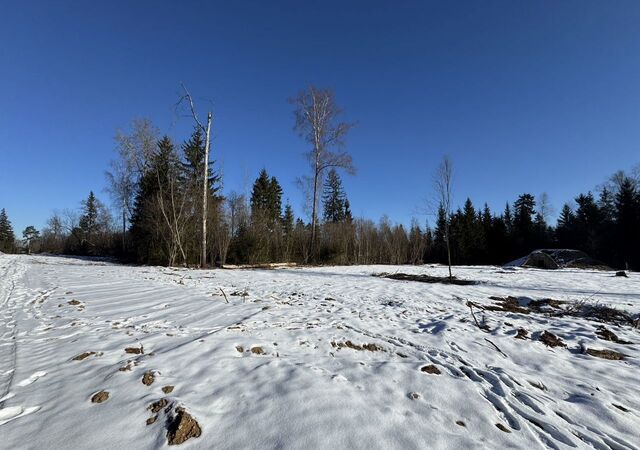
(205, 183)
(205, 189)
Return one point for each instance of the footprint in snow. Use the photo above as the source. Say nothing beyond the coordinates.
(32, 379)
(7, 397)
(13, 412)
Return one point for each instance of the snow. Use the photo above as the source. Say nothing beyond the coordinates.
(304, 392)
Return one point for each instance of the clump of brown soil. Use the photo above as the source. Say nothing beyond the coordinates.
(506, 304)
(551, 340)
(424, 278)
(522, 333)
(134, 350)
(148, 378)
(82, 356)
(351, 345)
(73, 302)
(158, 405)
(502, 428)
(167, 389)
(239, 348)
(257, 350)
(431, 369)
(182, 428)
(151, 420)
(608, 335)
(606, 354)
(100, 397)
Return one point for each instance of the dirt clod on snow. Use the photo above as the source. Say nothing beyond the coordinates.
(431, 369)
(100, 397)
(182, 428)
(148, 378)
(82, 356)
(551, 340)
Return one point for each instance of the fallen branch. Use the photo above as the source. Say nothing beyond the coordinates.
(225, 295)
(483, 327)
(496, 347)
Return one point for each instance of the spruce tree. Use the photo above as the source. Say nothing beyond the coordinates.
(266, 199)
(333, 198)
(7, 237)
(627, 206)
(523, 232)
(192, 166)
(274, 201)
(288, 220)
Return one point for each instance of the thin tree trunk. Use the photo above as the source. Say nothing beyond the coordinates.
(314, 214)
(449, 251)
(205, 188)
(124, 230)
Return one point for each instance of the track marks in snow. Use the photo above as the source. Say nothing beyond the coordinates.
(15, 412)
(32, 379)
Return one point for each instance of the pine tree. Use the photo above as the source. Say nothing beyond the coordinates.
(565, 229)
(89, 219)
(288, 220)
(266, 200)
(7, 237)
(587, 224)
(192, 168)
(146, 222)
(627, 224)
(274, 200)
(334, 198)
(508, 219)
(30, 234)
(523, 232)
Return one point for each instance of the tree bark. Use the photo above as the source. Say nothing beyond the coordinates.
(205, 188)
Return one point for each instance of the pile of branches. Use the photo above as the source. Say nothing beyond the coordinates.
(600, 313)
(557, 308)
(425, 278)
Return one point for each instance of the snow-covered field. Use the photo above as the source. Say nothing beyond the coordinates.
(308, 358)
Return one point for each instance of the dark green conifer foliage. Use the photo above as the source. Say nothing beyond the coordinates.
(288, 220)
(7, 237)
(30, 234)
(334, 199)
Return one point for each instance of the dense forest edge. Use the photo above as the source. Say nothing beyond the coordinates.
(156, 204)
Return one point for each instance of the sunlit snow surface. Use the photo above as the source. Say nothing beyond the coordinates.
(303, 392)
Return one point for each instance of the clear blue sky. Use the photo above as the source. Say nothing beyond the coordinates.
(525, 96)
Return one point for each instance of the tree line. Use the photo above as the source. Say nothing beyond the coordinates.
(156, 191)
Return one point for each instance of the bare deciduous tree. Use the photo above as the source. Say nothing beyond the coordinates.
(545, 208)
(207, 131)
(316, 120)
(135, 149)
(443, 184)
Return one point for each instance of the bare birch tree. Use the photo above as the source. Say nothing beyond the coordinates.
(135, 150)
(545, 208)
(443, 184)
(316, 120)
